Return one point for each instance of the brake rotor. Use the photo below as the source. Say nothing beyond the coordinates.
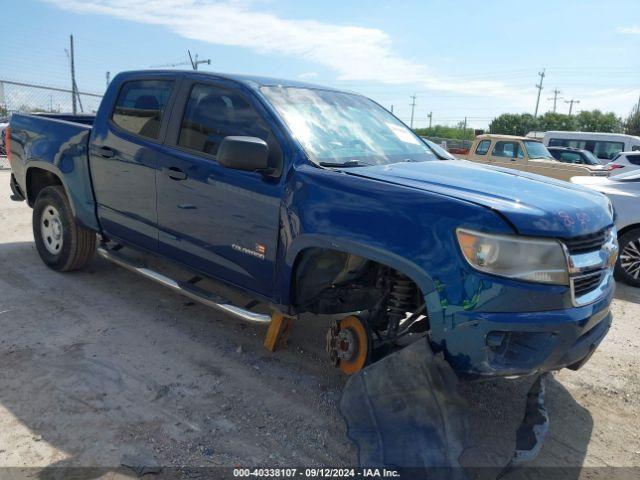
(348, 344)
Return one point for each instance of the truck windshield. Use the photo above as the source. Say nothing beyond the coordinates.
(346, 130)
(537, 150)
(590, 158)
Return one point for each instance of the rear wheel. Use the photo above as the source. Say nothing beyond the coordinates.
(628, 263)
(62, 244)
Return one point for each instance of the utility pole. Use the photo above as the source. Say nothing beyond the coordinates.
(539, 87)
(413, 107)
(108, 77)
(73, 76)
(571, 102)
(555, 97)
(194, 64)
(430, 118)
(464, 127)
(391, 108)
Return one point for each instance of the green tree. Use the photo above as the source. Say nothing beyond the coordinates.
(3, 111)
(596, 121)
(556, 121)
(513, 124)
(632, 124)
(443, 131)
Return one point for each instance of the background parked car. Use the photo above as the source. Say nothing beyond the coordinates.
(605, 146)
(624, 192)
(525, 154)
(624, 162)
(574, 155)
(4, 123)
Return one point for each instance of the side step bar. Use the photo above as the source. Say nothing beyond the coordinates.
(191, 291)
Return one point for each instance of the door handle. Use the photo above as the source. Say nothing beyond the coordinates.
(175, 173)
(105, 152)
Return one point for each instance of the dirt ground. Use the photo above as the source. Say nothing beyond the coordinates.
(101, 368)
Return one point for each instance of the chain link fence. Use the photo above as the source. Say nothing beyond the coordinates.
(26, 97)
(32, 98)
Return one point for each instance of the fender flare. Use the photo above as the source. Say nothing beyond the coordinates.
(85, 218)
(421, 278)
(41, 165)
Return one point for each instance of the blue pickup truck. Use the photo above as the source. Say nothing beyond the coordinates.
(309, 199)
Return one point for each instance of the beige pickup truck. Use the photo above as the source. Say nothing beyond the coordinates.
(526, 154)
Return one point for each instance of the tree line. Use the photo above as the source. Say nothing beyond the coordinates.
(523, 123)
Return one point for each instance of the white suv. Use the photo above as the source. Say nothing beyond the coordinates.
(624, 162)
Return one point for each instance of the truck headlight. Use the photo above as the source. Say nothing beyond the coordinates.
(511, 256)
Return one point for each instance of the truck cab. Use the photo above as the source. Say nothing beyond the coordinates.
(527, 155)
(300, 198)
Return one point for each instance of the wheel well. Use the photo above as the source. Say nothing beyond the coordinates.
(327, 281)
(628, 228)
(37, 179)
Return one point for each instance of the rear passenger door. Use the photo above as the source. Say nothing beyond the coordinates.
(220, 221)
(125, 148)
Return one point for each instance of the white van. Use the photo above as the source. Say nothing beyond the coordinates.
(605, 146)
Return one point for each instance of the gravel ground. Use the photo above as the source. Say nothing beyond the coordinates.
(101, 366)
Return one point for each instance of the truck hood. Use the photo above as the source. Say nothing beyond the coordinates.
(535, 205)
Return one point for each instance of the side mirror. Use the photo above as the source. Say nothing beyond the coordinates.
(244, 153)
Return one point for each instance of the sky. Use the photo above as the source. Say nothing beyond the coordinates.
(460, 59)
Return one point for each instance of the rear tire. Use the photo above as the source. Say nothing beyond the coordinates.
(628, 263)
(63, 245)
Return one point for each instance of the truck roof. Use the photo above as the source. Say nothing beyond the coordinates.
(253, 81)
(509, 137)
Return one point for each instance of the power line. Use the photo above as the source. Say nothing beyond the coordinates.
(571, 102)
(555, 97)
(413, 107)
(194, 63)
(539, 87)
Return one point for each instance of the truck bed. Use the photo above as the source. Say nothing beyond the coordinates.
(60, 146)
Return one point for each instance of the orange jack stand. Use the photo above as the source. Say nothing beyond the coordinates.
(278, 332)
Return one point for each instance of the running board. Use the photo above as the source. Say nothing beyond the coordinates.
(188, 290)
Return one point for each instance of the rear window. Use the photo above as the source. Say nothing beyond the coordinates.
(141, 105)
(570, 157)
(635, 159)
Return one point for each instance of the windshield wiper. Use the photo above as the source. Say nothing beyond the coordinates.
(347, 164)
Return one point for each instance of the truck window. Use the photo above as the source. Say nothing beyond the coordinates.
(213, 113)
(607, 150)
(570, 157)
(140, 106)
(507, 149)
(483, 147)
(562, 142)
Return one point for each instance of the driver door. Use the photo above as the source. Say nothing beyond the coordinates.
(219, 221)
(508, 154)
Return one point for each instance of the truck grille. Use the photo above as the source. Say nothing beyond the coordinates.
(586, 283)
(585, 243)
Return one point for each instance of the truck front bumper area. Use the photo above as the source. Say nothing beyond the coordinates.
(509, 344)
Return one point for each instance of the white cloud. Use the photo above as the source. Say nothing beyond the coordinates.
(307, 75)
(619, 101)
(633, 30)
(353, 52)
